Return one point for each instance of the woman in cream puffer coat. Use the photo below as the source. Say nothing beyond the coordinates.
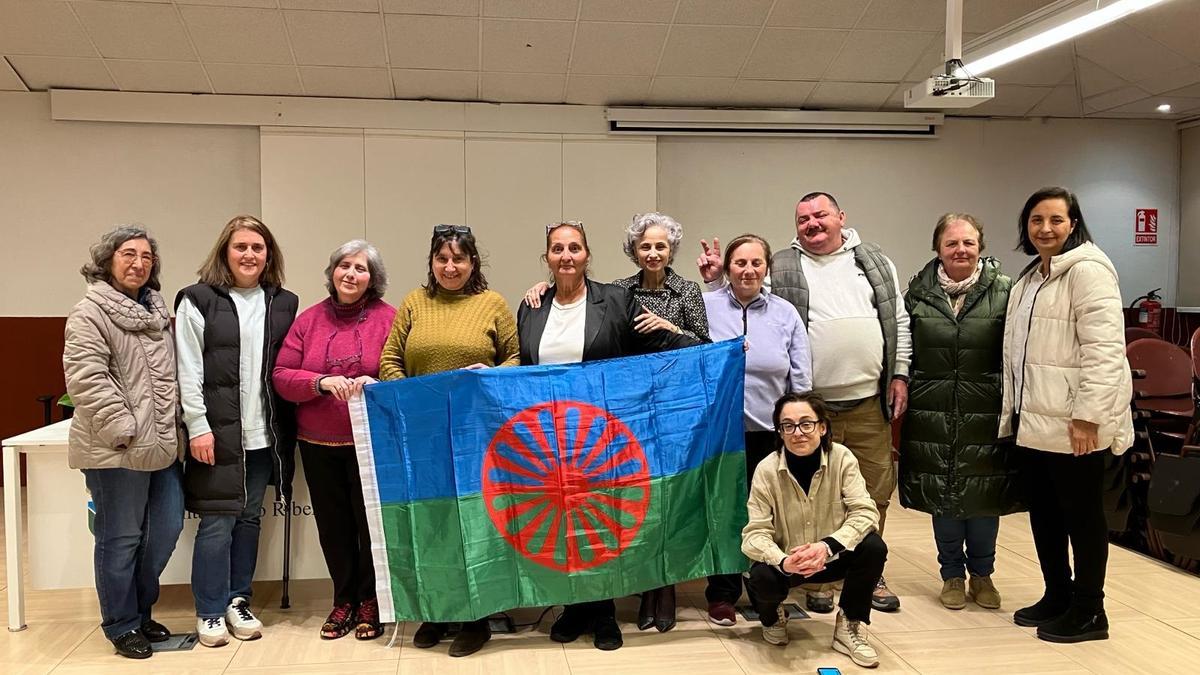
(119, 364)
(1067, 389)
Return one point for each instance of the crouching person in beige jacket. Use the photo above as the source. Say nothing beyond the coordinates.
(119, 363)
(812, 521)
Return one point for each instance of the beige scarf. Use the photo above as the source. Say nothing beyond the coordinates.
(956, 291)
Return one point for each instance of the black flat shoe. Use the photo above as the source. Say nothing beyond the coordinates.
(646, 609)
(664, 615)
(1041, 612)
(471, 638)
(570, 625)
(155, 631)
(133, 645)
(1076, 625)
(607, 634)
(429, 634)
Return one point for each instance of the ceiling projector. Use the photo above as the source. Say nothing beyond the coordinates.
(949, 91)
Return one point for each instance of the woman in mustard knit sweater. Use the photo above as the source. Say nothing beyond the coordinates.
(453, 321)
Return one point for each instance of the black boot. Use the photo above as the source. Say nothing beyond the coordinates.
(471, 638)
(570, 625)
(429, 634)
(1076, 625)
(646, 608)
(607, 634)
(133, 645)
(1049, 608)
(664, 616)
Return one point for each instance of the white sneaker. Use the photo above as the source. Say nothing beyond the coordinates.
(241, 621)
(777, 634)
(212, 632)
(850, 638)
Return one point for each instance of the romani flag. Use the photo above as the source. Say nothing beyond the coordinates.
(543, 485)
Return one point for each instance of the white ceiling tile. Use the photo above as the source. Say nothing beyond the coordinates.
(238, 35)
(440, 85)
(9, 81)
(809, 14)
(526, 46)
(338, 82)
(723, 12)
(1063, 101)
(1127, 53)
(607, 89)
(51, 72)
(125, 30)
(931, 60)
(165, 76)
(1094, 80)
(691, 91)
(270, 4)
(236, 78)
(982, 16)
(521, 87)
(1013, 100)
(642, 11)
(41, 29)
(1049, 67)
(617, 48)
(336, 38)
(770, 93)
(849, 95)
(706, 51)
(442, 7)
(1174, 24)
(1148, 106)
(1113, 99)
(793, 54)
(332, 5)
(440, 42)
(877, 56)
(926, 15)
(1192, 91)
(531, 9)
(1169, 80)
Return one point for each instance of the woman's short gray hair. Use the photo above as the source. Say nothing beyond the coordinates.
(641, 222)
(379, 279)
(99, 268)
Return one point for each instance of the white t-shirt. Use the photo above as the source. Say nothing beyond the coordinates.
(562, 341)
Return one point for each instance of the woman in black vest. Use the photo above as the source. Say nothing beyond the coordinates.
(951, 465)
(229, 329)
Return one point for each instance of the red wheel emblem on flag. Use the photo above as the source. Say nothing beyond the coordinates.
(566, 484)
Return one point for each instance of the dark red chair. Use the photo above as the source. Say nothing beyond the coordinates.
(1132, 334)
(1163, 396)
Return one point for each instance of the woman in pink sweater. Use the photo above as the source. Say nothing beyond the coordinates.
(331, 351)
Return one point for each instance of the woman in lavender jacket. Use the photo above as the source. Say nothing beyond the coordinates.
(778, 361)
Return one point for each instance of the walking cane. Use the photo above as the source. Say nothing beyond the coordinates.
(285, 601)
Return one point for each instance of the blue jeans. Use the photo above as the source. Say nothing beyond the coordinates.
(226, 549)
(979, 535)
(139, 515)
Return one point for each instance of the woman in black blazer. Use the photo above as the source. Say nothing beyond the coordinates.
(582, 320)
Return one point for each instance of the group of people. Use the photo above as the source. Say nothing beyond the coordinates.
(1013, 392)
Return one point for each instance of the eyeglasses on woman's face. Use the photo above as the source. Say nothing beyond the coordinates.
(806, 427)
(128, 255)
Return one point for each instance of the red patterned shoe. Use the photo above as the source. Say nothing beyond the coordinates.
(367, 618)
(340, 621)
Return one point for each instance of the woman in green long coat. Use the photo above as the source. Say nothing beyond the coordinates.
(951, 465)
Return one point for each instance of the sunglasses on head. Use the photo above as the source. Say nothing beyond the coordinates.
(451, 229)
(577, 224)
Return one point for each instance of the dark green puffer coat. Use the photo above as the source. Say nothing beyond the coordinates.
(950, 463)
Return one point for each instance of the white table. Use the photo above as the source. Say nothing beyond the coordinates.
(60, 543)
(52, 438)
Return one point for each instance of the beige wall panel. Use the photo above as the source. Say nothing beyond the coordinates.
(63, 184)
(313, 200)
(413, 182)
(894, 190)
(605, 182)
(1189, 235)
(514, 187)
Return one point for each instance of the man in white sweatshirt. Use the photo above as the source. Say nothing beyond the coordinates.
(848, 294)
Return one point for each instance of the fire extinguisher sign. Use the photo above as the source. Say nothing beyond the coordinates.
(1145, 227)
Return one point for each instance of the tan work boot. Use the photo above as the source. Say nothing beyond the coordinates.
(984, 593)
(954, 593)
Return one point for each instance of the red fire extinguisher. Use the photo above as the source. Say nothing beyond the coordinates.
(1149, 311)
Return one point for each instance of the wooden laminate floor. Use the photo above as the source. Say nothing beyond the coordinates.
(1154, 610)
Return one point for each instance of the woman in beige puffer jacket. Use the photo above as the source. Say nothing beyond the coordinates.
(1067, 389)
(119, 363)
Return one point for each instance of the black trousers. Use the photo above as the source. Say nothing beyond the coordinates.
(1066, 506)
(598, 609)
(336, 492)
(728, 587)
(860, 568)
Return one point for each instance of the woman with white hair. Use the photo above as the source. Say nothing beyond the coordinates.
(331, 351)
(671, 303)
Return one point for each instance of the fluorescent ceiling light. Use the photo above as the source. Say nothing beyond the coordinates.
(1054, 24)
